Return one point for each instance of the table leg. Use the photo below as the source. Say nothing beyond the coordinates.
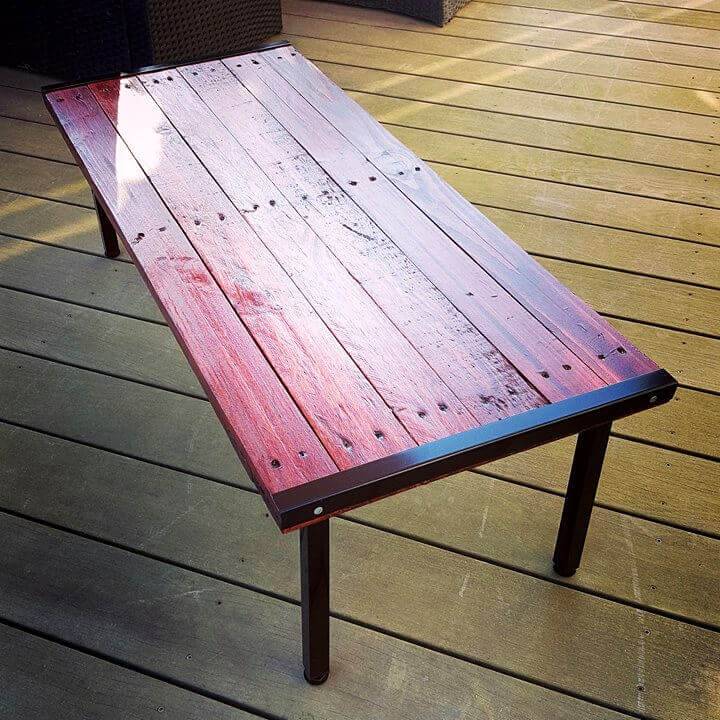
(584, 478)
(315, 592)
(109, 236)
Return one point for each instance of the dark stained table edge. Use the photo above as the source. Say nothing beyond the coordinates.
(156, 68)
(337, 493)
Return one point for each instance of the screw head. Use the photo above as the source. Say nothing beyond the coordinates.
(318, 510)
(653, 399)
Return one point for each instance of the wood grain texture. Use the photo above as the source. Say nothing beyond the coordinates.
(475, 371)
(234, 373)
(411, 388)
(537, 354)
(578, 327)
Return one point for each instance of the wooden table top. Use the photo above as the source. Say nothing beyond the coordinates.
(340, 302)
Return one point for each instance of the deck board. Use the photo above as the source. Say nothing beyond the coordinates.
(99, 409)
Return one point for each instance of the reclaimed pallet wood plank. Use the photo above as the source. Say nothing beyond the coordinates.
(40, 678)
(420, 398)
(48, 563)
(548, 38)
(528, 345)
(345, 411)
(495, 521)
(234, 373)
(201, 627)
(424, 58)
(576, 325)
(118, 281)
(475, 371)
(346, 23)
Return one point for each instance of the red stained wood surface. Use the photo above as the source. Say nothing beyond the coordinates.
(470, 366)
(338, 401)
(339, 301)
(273, 438)
(537, 354)
(588, 335)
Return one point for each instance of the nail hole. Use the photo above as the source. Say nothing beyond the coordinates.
(293, 54)
(221, 216)
(255, 207)
(188, 657)
(442, 406)
(272, 203)
(545, 373)
(346, 443)
(197, 222)
(169, 78)
(302, 454)
(379, 435)
(304, 197)
(194, 72)
(601, 356)
(255, 62)
(422, 414)
(373, 178)
(622, 350)
(353, 182)
(567, 367)
(127, 85)
(275, 463)
(156, 81)
(417, 169)
(238, 65)
(469, 294)
(401, 173)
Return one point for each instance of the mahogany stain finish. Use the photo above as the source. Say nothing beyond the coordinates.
(358, 326)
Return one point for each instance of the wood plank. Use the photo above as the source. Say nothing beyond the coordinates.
(23, 105)
(43, 178)
(616, 249)
(627, 295)
(346, 412)
(688, 17)
(33, 139)
(488, 519)
(108, 412)
(235, 374)
(337, 63)
(638, 214)
(202, 626)
(588, 23)
(538, 355)
(581, 43)
(413, 389)
(577, 326)
(15, 77)
(97, 282)
(97, 340)
(39, 679)
(579, 170)
(51, 222)
(707, 5)
(353, 28)
(654, 151)
(475, 371)
(637, 99)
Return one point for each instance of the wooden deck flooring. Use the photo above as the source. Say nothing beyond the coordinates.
(141, 576)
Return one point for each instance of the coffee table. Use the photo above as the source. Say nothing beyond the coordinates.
(358, 326)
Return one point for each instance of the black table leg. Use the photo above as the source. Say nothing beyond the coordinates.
(315, 589)
(584, 478)
(109, 236)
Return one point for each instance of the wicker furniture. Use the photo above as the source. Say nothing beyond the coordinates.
(436, 11)
(87, 38)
